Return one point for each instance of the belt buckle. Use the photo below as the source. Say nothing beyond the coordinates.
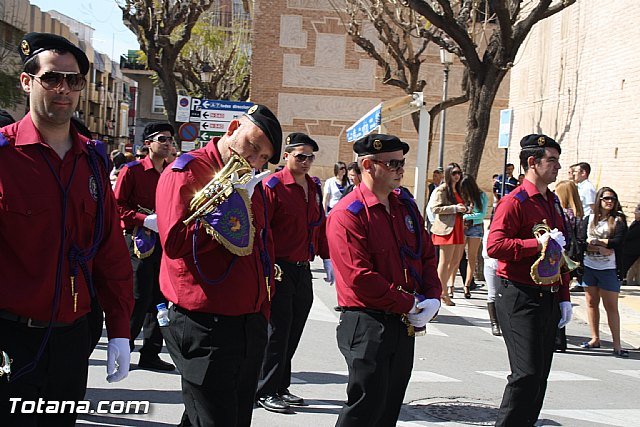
(30, 324)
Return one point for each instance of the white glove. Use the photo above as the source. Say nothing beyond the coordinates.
(558, 237)
(553, 234)
(567, 312)
(428, 309)
(151, 222)
(249, 186)
(328, 269)
(118, 359)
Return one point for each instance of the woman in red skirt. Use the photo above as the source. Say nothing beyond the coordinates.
(447, 230)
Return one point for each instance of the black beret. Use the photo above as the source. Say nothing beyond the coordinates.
(34, 43)
(153, 128)
(539, 140)
(5, 118)
(262, 117)
(379, 143)
(297, 139)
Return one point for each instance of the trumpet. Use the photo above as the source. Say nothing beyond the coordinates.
(219, 188)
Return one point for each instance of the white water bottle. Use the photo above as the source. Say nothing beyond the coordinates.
(163, 314)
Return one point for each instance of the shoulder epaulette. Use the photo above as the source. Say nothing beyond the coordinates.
(316, 180)
(132, 164)
(521, 195)
(181, 162)
(3, 140)
(273, 181)
(404, 194)
(355, 207)
(101, 150)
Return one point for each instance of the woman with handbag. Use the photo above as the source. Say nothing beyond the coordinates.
(447, 230)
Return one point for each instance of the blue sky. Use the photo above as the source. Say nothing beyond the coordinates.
(110, 35)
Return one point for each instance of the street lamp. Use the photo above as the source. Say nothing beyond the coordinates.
(206, 75)
(446, 59)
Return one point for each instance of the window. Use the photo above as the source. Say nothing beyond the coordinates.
(157, 105)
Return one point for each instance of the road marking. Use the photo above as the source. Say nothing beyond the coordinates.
(553, 376)
(611, 417)
(416, 377)
(634, 373)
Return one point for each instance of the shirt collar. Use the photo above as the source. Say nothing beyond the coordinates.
(370, 199)
(211, 149)
(147, 163)
(28, 134)
(532, 190)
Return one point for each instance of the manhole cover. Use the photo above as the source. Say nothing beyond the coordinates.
(465, 412)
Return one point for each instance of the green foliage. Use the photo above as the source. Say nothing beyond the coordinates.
(10, 91)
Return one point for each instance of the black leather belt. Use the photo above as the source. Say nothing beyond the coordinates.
(296, 263)
(370, 311)
(537, 288)
(31, 323)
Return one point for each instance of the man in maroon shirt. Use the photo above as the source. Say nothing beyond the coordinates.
(294, 202)
(136, 198)
(529, 313)
(386, 279)
(220, 301)
(60, 240)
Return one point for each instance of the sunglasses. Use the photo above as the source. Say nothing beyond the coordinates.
(52, 80)
(301, 158)
(141, 156)
(392, 165)
(609, 199)
(456, 173)
(164, 139)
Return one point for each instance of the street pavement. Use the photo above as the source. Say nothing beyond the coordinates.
(458, 376)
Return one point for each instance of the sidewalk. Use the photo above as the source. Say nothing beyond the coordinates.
(629, 307)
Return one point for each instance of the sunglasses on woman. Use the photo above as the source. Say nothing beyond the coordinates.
(609, 198)
(456, 173)
(52, 80)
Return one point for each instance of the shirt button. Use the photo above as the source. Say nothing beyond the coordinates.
(28, 211)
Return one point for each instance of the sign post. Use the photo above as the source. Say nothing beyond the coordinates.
(215, 116)
(504, 136)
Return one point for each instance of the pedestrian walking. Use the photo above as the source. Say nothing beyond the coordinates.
(217, 268)
(60, 240)
(136, 198)
(294, 204)
(532, 302)
(386, 281)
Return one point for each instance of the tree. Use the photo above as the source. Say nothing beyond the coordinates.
(399, 48)
(220, 47)
(163, 27)
(451, 25)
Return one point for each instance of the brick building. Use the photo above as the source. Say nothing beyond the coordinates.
(307, 69)
(577, 80)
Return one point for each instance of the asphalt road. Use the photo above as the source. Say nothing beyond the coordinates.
(459, 374)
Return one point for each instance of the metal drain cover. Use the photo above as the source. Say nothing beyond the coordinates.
(460, 411)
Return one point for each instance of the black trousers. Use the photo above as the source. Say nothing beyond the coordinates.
(219, 359)
(61, 373)
(146, 292)
(290, 309)
(529, 321)
(379, 356)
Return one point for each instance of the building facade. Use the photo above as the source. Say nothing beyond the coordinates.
(317, 81)
(576, 79)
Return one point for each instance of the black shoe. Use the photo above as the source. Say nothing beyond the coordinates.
(273, 403)
(576, 289)
(291, 399)
(156, 364)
